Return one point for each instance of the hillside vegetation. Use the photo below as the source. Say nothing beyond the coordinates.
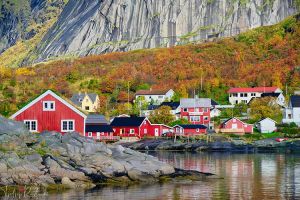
(267, 56)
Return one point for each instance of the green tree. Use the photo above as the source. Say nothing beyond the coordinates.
(178, 122)
(265, 107)
(162, 115)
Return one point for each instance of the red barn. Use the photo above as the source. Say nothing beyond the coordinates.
(131, 127)
(49, 112)
(236, 126)
(190, 129)
(196, 110)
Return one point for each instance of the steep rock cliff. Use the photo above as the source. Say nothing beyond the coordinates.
(98, 26)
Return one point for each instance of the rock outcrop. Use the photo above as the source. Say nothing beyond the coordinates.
(71, 160)
(88, 27)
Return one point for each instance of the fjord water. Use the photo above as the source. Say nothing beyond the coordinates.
(245, 176)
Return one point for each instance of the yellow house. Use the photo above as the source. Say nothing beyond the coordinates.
(89, 102)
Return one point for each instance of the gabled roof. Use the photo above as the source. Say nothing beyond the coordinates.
(128, 121)
(263, 119)
(48, 92)
(195, 102)
(98, 128)
(272, 94)
(214, 103)
(295, 101)
(152, 92)
(225, 122)
(77, 98)
(191, 126)
(254, 89)
(96, 119)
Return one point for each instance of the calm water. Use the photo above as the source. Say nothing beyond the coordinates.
(246, 176)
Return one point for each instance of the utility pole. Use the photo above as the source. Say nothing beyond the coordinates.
(128, 97)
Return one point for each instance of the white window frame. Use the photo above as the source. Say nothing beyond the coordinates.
(48, 105)
(30, 125)
(145, 131)
(197, 130)
(68, 130)
(131, 131)
(98, 134)
(90, 134)
(185, 110)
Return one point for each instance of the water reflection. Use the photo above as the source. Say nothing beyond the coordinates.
(246, 176)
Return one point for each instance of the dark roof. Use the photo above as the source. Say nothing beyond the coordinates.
(95, 119)
(98, 128)
(270, 94)
(295, 101)
(173, 105)
(214, 103)
(192, 126)
(153, 107)
(77, 98)
(127, 121)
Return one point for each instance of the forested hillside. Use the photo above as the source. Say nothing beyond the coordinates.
(267, 56)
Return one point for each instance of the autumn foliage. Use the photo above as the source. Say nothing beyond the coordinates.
(267, 56)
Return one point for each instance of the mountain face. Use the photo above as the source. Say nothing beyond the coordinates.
(88, 27)
(19, 19)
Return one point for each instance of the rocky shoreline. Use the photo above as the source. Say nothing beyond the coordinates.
(72, 161)
(260, 146)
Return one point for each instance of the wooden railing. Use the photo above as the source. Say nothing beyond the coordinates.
(108, 138)
(224, 130)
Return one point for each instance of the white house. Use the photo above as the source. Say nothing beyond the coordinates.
(279, 98)
(266, 125)
(244, 95)
(175, 109)
(292, 112)
(215, 112)
(154, 96)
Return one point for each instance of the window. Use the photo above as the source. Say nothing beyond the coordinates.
(196, 109)
(67, 125)
(234, 120)
(160, 97)
(205, 109)
(242, 95)
(234, 94)
(245, 95)
(131, 131)
(195, 118)
(244, 101)
(87, 108)
(145, 131)
(234, 126)
(48, 105)
(205, 118)
(253, 95)
(90, 134)
(185, 110)
(31, 125)
(197, 130)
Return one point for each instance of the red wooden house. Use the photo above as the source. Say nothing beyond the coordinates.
(49, 112)
(97, 127)
(236, 126)
(157, 130)
(196, 110)
(138, 127)
(190, 129)
(131, 127)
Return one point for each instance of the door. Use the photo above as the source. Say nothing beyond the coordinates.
(98, 135)
(156, 132)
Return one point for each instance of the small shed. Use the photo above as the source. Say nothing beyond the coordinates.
(266, 125)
